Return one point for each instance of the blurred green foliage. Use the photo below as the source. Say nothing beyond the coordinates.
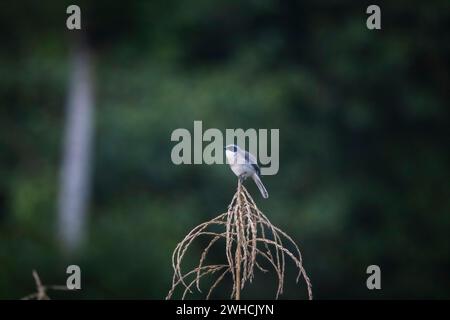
(364, 128)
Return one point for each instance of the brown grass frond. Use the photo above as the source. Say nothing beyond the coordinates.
(249, 235)
(41, 290)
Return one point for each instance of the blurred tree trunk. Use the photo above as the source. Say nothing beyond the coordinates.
(75, 171)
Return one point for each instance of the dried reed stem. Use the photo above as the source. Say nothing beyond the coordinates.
(249, 236)
(41, 290)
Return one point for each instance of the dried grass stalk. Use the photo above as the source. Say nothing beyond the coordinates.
(249, 236)
(41, 290)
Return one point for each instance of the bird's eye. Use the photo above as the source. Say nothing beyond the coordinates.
(234, 148)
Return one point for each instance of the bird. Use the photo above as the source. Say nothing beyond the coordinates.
(244, 165)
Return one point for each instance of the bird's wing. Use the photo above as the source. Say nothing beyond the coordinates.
(258, 171)
(252, 160)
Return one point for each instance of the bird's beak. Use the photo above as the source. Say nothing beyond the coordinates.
(224, 148)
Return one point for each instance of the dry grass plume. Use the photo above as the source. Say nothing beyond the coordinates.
(250, 238)
(41, 290)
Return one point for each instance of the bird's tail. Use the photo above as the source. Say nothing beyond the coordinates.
(260, 185)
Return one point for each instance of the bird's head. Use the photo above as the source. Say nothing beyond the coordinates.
(231, 148)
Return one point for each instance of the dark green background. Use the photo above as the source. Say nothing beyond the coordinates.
(364, 139)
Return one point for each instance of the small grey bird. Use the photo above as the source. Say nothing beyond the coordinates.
(244, 165)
